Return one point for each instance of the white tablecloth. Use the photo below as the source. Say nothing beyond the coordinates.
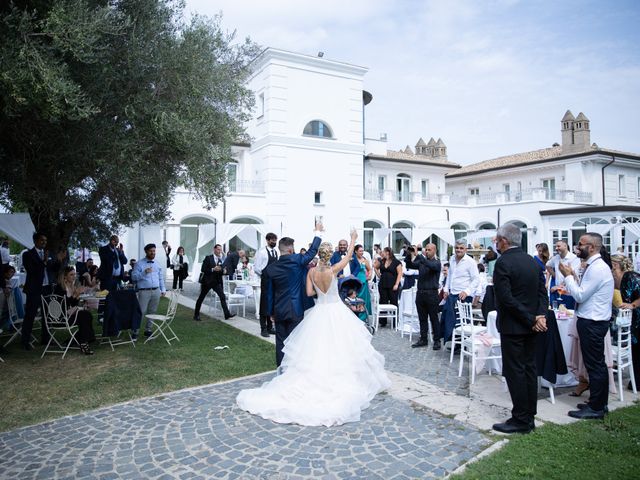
(567, 380)
(249, 289)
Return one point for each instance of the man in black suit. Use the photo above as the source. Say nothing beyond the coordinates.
(521, 303)
(211, 279)
(41, 275)
(353, 267)
(112, 262)
(285, 279)
(230, 263)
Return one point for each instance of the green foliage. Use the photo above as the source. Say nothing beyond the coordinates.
(107, 106)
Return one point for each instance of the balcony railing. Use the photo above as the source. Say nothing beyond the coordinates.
(247, 186)
(532, 194)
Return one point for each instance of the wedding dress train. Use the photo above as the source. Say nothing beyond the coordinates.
(330, 370)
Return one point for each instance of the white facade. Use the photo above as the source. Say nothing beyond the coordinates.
(288, 176)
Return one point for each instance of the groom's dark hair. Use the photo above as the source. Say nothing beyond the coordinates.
(285, 242)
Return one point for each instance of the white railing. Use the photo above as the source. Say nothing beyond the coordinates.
(247, 186)
(532, 194)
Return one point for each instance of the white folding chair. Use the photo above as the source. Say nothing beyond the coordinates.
(471, 345)
(456, 335)
(15, 323)
(161, 324)
(388, 311)
(236, 300)
(409, 316)
(622, 351)
(54, 314)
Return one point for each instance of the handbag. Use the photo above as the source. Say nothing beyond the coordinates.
(184, 271)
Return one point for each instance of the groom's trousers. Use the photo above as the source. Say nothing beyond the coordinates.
(283, 330)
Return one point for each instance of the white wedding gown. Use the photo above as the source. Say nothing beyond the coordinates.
(330, 370)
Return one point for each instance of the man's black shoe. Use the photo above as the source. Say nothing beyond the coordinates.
(147, 333)
(587, 413)
(231, 315)
(420, 343)
(196, 317)
(582, 406)
(264, 333)
(436, 345)
(27, 347)
(510, 427)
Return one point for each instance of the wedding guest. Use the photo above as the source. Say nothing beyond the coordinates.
(180, 264)
(8, 271)
(211, 273)
(112, 262)
(428, 267)
(462, 283)
(521, 304)
(41, 270)
(389, 271)
(628, 282)
(364, 274)
(352, 267)
(127, 275)
(264, 257)
(563, 256)
(67, 287)
(90, 278)
(149, 277)
(594, 295)
(167, 251)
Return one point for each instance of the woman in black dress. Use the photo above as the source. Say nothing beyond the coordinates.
(389, 271)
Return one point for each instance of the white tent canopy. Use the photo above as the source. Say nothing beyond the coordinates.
(19, 227)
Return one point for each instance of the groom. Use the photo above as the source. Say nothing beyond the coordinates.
(285, 286)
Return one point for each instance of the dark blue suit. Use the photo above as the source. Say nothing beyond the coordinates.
(34, 288)
(354, 264)
(108, 257)
(285, 279)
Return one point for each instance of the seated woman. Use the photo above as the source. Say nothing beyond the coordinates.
(68, 288)
(90, 278)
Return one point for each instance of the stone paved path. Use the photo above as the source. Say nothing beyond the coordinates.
(200, 433)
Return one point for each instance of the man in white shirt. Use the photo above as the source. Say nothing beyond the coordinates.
(265, 257)
(564, 256)
(594, 295)
(462, 283)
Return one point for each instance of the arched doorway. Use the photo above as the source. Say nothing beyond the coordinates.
(189, 237)
(397, 238)
(523, 228)
(485, 241)
(236, 242)
(367, 234)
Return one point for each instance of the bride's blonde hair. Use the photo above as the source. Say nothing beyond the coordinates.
(324, 252)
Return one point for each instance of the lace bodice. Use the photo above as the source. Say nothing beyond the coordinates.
(332, 294)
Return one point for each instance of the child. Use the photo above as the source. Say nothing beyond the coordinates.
(356, 305)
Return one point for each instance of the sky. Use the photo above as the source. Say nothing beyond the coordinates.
(490, 77)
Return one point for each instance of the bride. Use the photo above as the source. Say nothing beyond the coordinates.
(330, 370)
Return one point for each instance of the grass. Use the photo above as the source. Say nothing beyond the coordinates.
(590, 449)
(35, 390)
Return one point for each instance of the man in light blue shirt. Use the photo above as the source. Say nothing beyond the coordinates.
(149, 278)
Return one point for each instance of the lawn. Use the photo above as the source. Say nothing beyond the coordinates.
(590, 449)
(35, 390)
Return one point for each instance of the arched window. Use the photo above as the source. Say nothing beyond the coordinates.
(525, 234)
(397, 238)
(317, 128)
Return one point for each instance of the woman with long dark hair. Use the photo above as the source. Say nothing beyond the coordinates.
(389, 271)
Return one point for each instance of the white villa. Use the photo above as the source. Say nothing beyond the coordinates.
(309, 158)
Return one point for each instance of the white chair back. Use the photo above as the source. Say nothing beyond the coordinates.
(622, 351)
